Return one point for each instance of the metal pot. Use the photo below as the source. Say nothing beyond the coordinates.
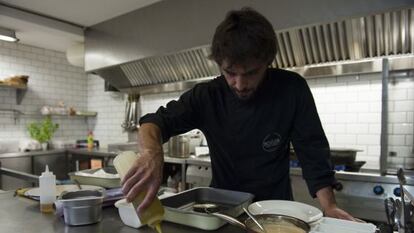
(271, 222)
(179, 146)
(81, 207)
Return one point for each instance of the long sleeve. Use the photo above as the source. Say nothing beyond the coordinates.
(179, 116)
(310, 142)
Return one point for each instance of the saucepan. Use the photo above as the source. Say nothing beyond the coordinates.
(272, 223)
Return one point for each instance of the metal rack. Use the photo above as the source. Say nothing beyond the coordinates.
(16, 113)
(20, 91)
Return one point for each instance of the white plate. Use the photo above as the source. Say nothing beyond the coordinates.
(35, 192)
(295, 209)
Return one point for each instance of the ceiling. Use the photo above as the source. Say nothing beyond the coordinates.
(28, 19)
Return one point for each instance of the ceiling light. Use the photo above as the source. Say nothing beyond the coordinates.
(8, 35)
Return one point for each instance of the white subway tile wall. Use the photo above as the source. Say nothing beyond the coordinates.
(110, 107)
(401, 98)
(151, 103)
(51, 79)
(350, 111)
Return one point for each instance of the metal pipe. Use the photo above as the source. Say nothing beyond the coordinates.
(384, 117)
(411, 74)
(19, 174)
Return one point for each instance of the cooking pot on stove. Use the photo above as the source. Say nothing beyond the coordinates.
(179, 146)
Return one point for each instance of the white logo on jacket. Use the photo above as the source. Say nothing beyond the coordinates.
(271, 142)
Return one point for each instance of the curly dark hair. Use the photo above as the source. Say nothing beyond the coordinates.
(243, 36)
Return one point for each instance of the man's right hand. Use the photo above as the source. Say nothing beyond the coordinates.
(144, 176)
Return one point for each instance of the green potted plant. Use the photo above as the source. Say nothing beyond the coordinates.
(42, 131)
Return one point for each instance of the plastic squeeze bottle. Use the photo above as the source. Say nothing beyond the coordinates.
(47, 185)
(154, 214)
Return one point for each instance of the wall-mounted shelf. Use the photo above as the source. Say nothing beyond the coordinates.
(17, 113)
(58, 115)
(65, 116)
(20, 91)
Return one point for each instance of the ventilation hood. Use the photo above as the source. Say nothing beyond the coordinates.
(157, 49)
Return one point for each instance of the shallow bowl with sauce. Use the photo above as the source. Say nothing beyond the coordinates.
(274, 223)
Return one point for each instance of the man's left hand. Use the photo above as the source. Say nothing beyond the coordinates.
(335, 212)
(327, 200)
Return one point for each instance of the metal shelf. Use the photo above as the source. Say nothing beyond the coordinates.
(39, 115)
(20, 91)
(17, 113)
(59, 115)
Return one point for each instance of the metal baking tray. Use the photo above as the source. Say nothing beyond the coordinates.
(179, 208)
(106, 182)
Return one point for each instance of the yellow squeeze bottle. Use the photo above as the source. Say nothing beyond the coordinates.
(154, 214)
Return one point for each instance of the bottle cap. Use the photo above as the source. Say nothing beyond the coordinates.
(47, 172)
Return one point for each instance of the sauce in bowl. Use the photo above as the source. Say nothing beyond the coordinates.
(279, 228)
(278, 224)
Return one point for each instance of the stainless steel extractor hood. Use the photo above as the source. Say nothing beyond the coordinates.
(168, 43)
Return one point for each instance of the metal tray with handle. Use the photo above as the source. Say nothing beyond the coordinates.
(180, 207)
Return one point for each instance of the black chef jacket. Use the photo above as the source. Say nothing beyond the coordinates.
(249, 139)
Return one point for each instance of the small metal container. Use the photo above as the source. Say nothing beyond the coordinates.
(179, 146)
(82, 207)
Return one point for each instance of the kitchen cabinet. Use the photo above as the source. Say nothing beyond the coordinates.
(80, 159)
(33, 164)
(58, 164)
(176, 162)
(63, 161)
(197, 169)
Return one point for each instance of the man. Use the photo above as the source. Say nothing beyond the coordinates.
(249, 116)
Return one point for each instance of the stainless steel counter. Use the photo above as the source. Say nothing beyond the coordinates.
(361, 176)
(199, 161)
(19, 169)
(21, 215)
(101, 152)
(32, 153)
(96, 152)
(360, 194)
(10, 161)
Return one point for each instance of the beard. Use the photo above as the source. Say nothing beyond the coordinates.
(244, 94)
